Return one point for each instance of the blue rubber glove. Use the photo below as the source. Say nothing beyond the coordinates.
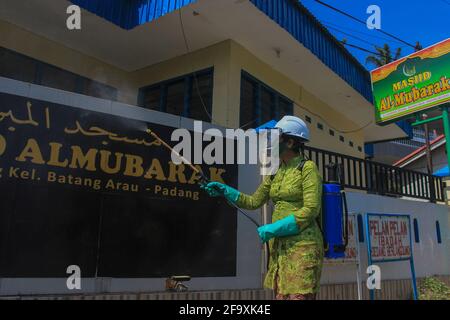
(283, 227)
(215, 189)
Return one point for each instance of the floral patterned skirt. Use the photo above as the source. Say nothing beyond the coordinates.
(295, 267)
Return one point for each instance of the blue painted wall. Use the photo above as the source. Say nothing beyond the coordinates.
(406, 127)
(128, 14)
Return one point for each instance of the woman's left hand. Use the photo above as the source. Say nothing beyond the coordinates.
(282, 228)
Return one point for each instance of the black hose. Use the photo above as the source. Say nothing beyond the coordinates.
(245, 214)
(206, 180)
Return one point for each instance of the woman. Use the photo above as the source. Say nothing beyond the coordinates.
(296, 244)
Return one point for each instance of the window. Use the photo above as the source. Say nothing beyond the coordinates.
(267, 106)
(188, 96)
(416, 231)
(359, 148)
(331, 132)
(54, 77)
(360, 228)
(248, 103)
(260, 103)
(17, 66)
(174, 103)
(341, 138)
(319, 126)
(350, 143)
(308, 119)
(152, 98)
(20, 67)
(96, 89)
(285, 107)
(438, 232)
(201, 97)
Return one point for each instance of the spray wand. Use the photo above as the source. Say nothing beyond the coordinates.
(204, 179)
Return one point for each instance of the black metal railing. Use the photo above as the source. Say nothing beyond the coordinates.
(379, 178)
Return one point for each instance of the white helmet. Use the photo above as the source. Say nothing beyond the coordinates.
(293, 126)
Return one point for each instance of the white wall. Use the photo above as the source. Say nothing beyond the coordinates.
(430, 258)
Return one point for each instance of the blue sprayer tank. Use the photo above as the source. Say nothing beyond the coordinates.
(334, 216)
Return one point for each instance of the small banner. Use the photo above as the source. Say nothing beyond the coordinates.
(390, 237)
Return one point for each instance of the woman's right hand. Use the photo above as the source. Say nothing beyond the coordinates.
(215, 189)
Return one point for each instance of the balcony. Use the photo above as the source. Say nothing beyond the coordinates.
(378, 178)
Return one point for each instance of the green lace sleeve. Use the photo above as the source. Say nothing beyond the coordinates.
(257, 199)
(312, 196)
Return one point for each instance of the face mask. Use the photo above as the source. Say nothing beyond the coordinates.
(279, 146)
(271, 148)
(282, 147)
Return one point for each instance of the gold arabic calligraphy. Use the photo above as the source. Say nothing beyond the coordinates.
(91, 132)
(96, 131)
(10, 115)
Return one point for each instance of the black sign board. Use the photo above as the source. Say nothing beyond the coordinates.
(90, 189)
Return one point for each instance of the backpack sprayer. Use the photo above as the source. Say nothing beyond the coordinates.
(334, 214)
(203, 179)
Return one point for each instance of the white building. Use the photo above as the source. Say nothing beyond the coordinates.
(70, 98)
